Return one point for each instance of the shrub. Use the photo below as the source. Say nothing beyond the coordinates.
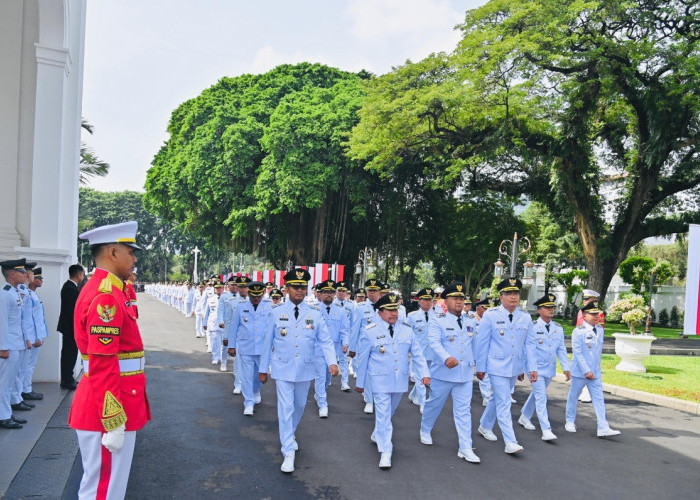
(663, 317)
(674, 319)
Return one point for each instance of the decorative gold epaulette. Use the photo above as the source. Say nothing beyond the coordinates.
(105, 286)
(113, 415)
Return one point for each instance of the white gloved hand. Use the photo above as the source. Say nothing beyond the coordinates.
(114, 440)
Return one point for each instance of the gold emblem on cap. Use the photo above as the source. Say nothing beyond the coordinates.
(392, 298)
(551, 297)
(512, 281)
(595, 304)
(428, 290)
(300, 275)
(459, 288)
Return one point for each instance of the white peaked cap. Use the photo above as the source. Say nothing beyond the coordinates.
(587, 294)
(124, 232)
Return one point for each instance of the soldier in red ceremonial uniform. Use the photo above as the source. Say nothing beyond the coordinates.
(131, 293)
(110, 402)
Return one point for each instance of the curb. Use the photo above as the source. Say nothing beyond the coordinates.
(645, 397)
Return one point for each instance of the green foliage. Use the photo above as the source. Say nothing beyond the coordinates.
(591, 108)
(160, 241)
(553, 244)
(90, 164)
(674, 320)
(256, 163)
(664, 317)
(574, 281)
(637, 270)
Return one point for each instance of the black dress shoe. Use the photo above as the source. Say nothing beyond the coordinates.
(32, 396)
(9, 424)
(21, 407)
(28, 404)
(18, 420)
(70, 386)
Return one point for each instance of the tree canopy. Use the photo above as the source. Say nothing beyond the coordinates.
(591, 108)
(256, 163)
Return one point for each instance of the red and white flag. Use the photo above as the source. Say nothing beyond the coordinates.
(691, 323)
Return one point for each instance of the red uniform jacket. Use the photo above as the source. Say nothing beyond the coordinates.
(131, 295)
(106, 333)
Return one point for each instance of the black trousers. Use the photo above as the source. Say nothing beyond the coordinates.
(69, 355)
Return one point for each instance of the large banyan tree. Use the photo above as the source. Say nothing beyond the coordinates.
(256, 163)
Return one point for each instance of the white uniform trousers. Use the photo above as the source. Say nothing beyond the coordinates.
(32, 357)
(342, 363)
(250, 383)
(537, 400)
(8, 369)
(16, 394)
(367, 394)
(419, 391)
(595, 387)
(238, 372)
(189, 309)
(322, 381)
(198, 326)
(461, 408)
(105, 474)
(218, 351)
(498, 407)
(485, 388)
(385, 404)
(291, 401)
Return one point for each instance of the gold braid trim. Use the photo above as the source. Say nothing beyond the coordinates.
(121, 355)
(113, 415)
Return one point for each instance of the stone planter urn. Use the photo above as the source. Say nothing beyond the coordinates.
(632, 349)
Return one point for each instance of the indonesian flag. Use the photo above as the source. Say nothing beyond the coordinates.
(322, 273)
(338, 272)
(268, 276)
(257, 275)
(691, 323)
(279, 278)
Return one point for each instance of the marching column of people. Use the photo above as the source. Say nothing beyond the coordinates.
(295, 337)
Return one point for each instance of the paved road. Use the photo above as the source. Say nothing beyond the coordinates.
(199, 444)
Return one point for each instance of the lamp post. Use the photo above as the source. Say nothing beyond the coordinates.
(499, 265)
(652, 278)
(364, 264)
(196, 251)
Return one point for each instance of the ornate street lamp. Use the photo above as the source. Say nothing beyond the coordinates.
(196, 251)
(364, 264)
(499, 265)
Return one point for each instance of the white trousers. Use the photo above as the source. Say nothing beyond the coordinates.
(385, 404)
(8, 368)
(105, 474)
(16, 393)
(32, 357)
(291, 401)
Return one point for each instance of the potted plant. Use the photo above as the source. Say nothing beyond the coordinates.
(632, 347)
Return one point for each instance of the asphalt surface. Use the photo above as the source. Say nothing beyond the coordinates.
(200, 445)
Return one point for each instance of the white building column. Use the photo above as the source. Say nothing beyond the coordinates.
(41, 56)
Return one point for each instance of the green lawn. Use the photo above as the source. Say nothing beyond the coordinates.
(610, 328)
(673, 376)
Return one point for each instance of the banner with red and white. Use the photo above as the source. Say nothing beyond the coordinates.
(691, 324)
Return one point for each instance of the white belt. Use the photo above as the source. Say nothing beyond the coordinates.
(126, 366)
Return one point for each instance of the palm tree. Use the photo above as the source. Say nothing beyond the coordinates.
(90, 164)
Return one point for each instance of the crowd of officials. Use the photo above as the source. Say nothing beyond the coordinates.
(439, 346)
(295, 338)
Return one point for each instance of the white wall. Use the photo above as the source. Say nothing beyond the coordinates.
(41, 56)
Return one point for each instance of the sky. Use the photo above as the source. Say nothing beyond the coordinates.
(145, 58)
